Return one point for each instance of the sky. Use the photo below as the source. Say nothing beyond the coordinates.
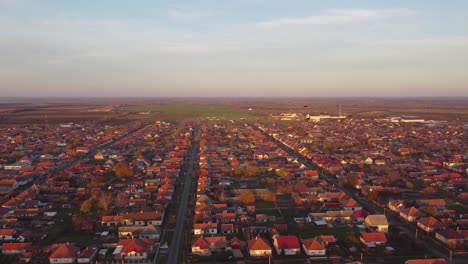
(241, 48)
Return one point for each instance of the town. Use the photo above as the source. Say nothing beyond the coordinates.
(238, 186)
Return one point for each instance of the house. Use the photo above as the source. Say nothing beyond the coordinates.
(374, 239)
(379, 162)
(15, 248)
(411, 214)
(111, 220)
(82, 150)
(450, 237)
(226, 217)
(377, 222)
(287, 245)
(149, 232)
(88, 255)
(227, 228)
(258, 247)
(217, 243)
(7, 234)
(330, 216)
(312, 247)
(134, 249)
(313, 174)
(141, 219)
(437, 203)
(429, 224)
(64, 253)
(426, 261)
(200, 246)
(205, 229)
(351, 205)
(203, 246)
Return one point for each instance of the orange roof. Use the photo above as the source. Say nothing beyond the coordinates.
(258, 243)
(65, 251)
(112, 218)
(200, 243)
(374, 237)
(218, 241)
(135, 245)
(412, 211)
(144, 216)
(287, 242)
(29, 193)
(16, 246)
(7, 232)
(429, 222)
(312, 244)
(350, 203)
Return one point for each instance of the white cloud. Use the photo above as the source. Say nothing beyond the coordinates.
(335, 17)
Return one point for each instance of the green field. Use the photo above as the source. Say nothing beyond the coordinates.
(206, 112)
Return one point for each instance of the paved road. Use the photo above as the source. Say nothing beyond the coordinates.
(177, 239)
(394, 220)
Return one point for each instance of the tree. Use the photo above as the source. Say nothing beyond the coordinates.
(148, 138)
(16, 155)
(353, 179)
(121, 200)
(251, 170)
(372, 195)
(246, 197)
(87, 205)
(409, 185)
(281, 173)
(104, 201)
(123, 171)
(431, 210)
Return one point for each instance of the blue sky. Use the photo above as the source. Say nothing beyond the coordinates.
(233, 48)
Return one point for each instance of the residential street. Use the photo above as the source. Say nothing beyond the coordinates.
(175, 249)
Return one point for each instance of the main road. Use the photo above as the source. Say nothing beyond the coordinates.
(175, 247)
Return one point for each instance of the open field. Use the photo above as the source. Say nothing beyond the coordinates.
(34, 111)
(208, 112)
(38, 113)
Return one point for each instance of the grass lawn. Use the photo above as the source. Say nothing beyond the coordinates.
(82, 239)
(310, 231)
(268, 208)
(206, 112)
